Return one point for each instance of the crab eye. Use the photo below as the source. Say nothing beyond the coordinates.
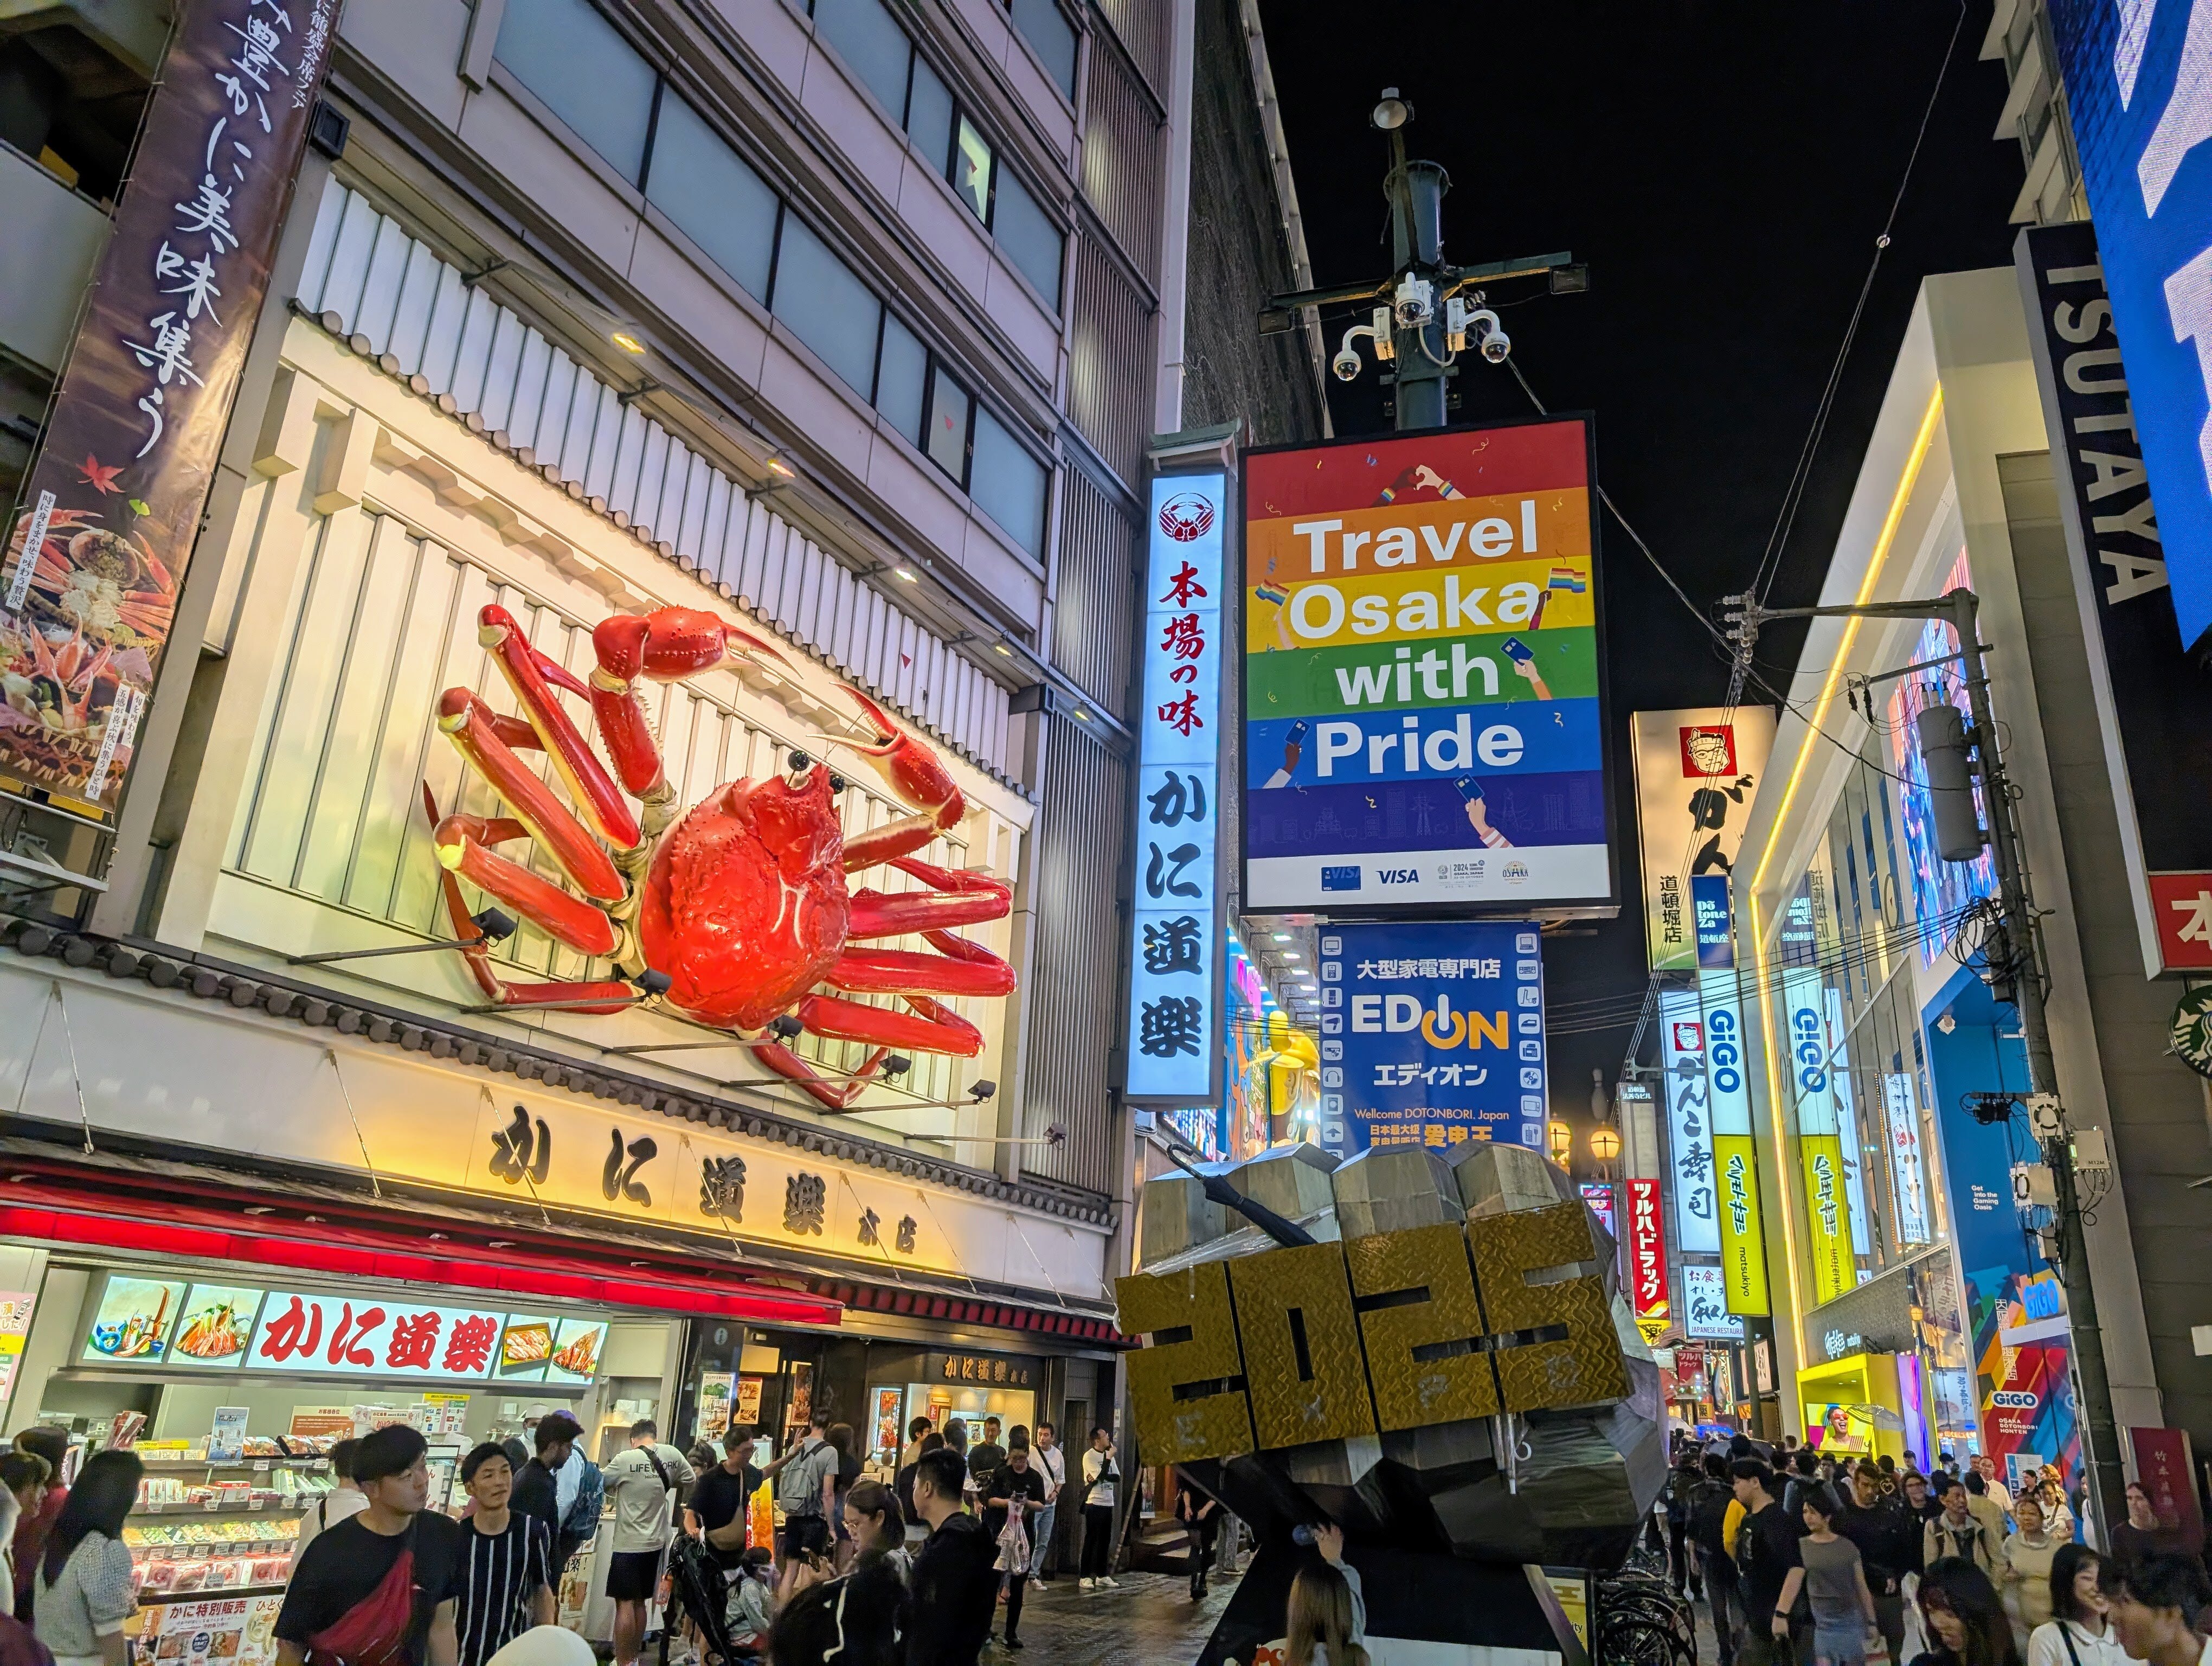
(836, 783)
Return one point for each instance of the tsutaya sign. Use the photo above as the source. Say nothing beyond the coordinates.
(208, 1076)
(1174, 1051)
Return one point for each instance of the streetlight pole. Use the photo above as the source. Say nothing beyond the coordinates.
(1427, 312)
(2016, 956)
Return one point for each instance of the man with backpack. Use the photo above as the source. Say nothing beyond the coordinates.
(642, 1482)
(1708, 1535)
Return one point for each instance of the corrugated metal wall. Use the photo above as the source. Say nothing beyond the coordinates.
(1111, 365)
(383, 622)
(1075, 989)
(483, 364)
(1095, 618)
(1121, 157)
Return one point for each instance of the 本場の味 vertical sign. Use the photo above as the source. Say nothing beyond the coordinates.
(110, 509)
(1175, 986)
(1422, 681)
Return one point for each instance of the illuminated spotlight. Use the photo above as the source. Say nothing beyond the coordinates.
(627, 342)
(1391, 111)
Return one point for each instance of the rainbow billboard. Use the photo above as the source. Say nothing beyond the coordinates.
(1423, 689)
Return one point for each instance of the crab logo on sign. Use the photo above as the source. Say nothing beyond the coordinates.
(1187, 516)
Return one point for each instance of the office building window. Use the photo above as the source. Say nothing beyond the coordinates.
(946, 442)
(929, 115)
(721, 205)
(1008, 483)
(1032, 241)
(973, 162)
(1046, 28)
(872, 43)
(586, 74)
(902, 378)
(826, 306)
(572, 59)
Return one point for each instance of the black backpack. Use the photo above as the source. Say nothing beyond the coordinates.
(1709, 1507)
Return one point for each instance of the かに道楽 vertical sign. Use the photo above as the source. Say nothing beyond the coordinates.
(108, 514)
(1175, 1047)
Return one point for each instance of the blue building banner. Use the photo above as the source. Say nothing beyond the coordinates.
(1431, 1035)
(2141, 98)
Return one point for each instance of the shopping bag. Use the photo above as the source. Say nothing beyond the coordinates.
(1916, 1631)
(1013, 1544)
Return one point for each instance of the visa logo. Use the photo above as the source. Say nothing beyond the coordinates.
(1398, 876)
(1341, 878)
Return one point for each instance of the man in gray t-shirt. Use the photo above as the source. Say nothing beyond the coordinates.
(642, 1482)
(805, 1479)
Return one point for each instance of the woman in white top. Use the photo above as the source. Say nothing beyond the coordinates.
(2077, 1634)
(81, 1591)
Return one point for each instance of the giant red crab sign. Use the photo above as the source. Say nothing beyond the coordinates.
(740, 905)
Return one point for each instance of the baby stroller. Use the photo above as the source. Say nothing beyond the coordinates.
(699, 1591)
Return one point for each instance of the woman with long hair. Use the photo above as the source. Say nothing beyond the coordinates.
(1321, 1629)
(2079, 1632)
(81, 1593)
(1965, 1617)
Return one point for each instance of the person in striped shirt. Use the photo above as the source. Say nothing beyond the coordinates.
(506, 1584)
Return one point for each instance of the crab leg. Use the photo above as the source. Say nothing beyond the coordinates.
(467, 722)
(666, 645)
(918, 775)
(932, 1027)
(962, 968)
(532, 676)
(955, 898)
(837, 1096)
(462, 841)
(471, 945)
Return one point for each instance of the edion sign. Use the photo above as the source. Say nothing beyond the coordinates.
(1646, 1250)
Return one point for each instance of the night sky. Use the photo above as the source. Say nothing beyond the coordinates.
(1725, 184)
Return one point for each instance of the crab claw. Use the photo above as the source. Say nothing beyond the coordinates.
(914, 771)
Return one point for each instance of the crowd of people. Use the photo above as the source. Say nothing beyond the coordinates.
(860, 1572)
(1810, 1559)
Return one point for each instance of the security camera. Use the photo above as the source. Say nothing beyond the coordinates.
(1490, 337)
(1415, 302)
(1346, 364)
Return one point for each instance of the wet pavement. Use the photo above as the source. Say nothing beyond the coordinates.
(1149, 1621)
